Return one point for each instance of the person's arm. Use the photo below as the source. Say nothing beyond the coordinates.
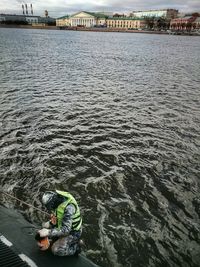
(66, 223)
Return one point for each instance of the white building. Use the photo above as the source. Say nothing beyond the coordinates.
(82, 19)
(164, 13)
(85, 19)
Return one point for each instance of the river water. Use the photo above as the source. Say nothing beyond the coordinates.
(113, 118)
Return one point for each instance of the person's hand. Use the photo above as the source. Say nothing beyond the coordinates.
(44, 232)
(53, 219)
(46, 225)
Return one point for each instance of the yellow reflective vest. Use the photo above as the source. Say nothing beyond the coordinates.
(76, 218)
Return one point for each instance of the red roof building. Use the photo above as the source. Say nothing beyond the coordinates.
(183, 24)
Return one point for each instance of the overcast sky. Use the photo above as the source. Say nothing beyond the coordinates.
(58, 8)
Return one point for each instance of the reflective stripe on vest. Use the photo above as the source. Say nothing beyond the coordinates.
(76, 218)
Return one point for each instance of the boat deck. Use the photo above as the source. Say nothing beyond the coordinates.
(17, 240)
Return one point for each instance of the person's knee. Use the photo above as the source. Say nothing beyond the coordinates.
(54, 250)
(67, 250)
(58, 251)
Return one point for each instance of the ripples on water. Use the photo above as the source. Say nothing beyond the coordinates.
(114, 119)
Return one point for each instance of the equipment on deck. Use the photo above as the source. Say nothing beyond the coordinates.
(43, 242)
(18, 235)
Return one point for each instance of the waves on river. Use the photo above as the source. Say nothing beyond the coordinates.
(114, 119)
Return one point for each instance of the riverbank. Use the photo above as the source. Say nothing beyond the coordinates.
(80, 29)
(110, 30)
(41, 27)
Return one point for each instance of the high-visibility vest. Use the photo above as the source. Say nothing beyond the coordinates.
(76, 218)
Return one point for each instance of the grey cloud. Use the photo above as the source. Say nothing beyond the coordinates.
(62, 7)
(154, 4)
(130, 5)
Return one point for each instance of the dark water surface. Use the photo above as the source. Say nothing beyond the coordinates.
(114, 119)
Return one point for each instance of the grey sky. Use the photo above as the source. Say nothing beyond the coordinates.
(62, 7)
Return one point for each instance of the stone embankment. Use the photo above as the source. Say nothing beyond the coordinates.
(98, 29)
(109, 30)
(29, 27)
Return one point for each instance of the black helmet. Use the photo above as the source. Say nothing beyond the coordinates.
(49, 199)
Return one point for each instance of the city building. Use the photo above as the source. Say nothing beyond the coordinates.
(91, 19)
(196, 23)
(82, 19)
(88, 19)
(164, 13)
(47, 20)
(9, 18)
(25, 19)
(32, 19)
(186, 23)
(126, 23)
(63, 21)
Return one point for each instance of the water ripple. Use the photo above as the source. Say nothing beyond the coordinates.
(115, 121)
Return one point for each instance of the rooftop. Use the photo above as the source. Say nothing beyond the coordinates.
(64, 17)
(126, 18)
(167, 9)
(14, 15)
(95, 14)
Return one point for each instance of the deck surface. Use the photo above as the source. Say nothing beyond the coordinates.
(20, 234)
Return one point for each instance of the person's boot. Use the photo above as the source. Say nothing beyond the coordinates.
(79, 247)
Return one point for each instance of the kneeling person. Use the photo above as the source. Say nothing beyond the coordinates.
(66, 231)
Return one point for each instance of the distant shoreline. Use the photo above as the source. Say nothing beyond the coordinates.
(110, 30)
(79, 29)
(95, 29)
(28, 27)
